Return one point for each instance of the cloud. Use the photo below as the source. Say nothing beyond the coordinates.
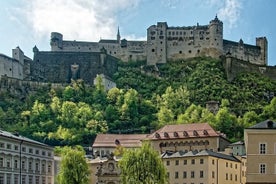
(230, 12)
(75, 19)
(227, 10)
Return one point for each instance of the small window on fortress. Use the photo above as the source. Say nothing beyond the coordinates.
(191, 32)
(114, 52)
(173, 33)
(198, 51)
(169, 33)
(176, 33)
(180, 52)
(152, 50)
(161, 42)
(180, 33)
(190, 51)
(207, 38)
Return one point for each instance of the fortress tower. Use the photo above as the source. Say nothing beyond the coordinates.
(262, 43)
(157, 43)
(56, 41)
(216, 37)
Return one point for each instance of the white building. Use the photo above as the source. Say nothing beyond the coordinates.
(25, 161)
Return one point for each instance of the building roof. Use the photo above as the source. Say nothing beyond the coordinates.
(267, 124)
(184, 131)
(180, 154)
(125, 140)
(108, 41)
(20, 138)
(237, 143)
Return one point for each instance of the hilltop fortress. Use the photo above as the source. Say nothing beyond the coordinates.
(85, 60)
(166, 43)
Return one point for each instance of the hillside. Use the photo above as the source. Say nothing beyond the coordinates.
(146, 98)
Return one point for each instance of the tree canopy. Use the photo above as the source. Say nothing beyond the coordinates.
(142, 166)
(73, 166)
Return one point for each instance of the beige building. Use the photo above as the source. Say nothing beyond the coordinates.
(260, 142)
(204, 167)
(25, 161)
(188, 137)
(105, 144)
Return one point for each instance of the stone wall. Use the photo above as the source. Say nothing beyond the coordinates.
(234, 67)
(61, 67)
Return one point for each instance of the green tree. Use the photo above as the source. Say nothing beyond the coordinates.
(142, 166)
(73, 167)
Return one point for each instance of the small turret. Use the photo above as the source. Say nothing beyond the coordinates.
(216, 34)
(262, 43)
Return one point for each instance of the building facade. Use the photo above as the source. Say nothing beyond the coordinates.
(25, 161)
(188, 137)
(260, 142)
(203, 167)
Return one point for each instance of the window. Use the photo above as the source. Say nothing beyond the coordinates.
(262, 168)
(30, 179)
(37, 166)
(213, 174)
(226, 164)
(30, 150)
(1, 162)
(43, 153)
(16, 179)
(2, 145)
(185, 162)
(262, 148)
(15, 147)
(201, 161)
(176, 175)
(15, 164)
(168, 174)
(168, 162)
(37, 152)
(24, 179)
(236, 177)
(193, 161)
(8, 163)
(37, 180)
(49, 167)
(213, 162)
(177, 162)
(8, 146)
(30, 165)
(1, 178)
(226, 177)
(24, 149)
(184, 174)
(201, 174)
(23, 164)
(8, 179)
(192, 174)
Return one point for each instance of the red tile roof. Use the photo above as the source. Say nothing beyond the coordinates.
(126, 140)
(184, 131)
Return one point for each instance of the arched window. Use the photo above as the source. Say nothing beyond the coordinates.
(175, 134)
(205, 132)
(166, 134)
(195, 133)
(157, 135)
(185, 134)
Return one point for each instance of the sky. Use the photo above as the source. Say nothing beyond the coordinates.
(29, 23)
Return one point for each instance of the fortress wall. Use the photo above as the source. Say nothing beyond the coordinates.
(10, 67)
(244, 52)
(56, 67)
(234, 67)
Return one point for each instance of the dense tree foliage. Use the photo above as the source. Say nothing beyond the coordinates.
(73, 166)
(146, 98)
(142, 166)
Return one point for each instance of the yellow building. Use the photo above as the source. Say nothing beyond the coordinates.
(204, 167)
(260, 142)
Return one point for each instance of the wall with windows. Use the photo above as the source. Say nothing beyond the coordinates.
(25, 160)
(205, 167)
(261, 155)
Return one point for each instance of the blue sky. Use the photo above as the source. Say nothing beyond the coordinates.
(26, 23)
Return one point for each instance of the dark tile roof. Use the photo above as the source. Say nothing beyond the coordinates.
(267, 124)
(108, 41)
(18, 137)
(180, 154)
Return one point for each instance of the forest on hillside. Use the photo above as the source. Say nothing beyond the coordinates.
(142, 102)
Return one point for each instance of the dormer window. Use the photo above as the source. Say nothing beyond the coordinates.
(175, 134)
(117, 142)
(166, 134)
(157, 135)
(195, 133)
(185, 134)
(205, 132)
